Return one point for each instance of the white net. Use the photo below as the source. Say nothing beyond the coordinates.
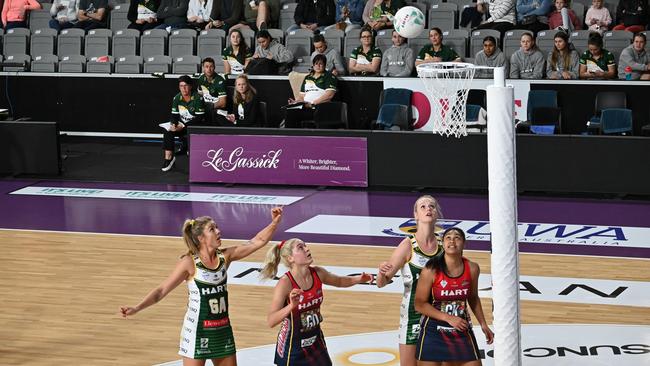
(447, 85)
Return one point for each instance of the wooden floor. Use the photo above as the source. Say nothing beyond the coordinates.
(61, 293)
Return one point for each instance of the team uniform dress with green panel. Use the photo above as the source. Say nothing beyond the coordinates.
(409, 322)
(206, 329)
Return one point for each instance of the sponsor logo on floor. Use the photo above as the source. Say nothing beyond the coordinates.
(157, 195)
(534, 288)
(543, 233)
(542, 344)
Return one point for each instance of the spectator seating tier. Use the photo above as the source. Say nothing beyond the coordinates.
(476, 40)
(186, 65)
(181, 42)
(153, 42)
(128, 65)
(15, 41)
(72, 63)
(125, 42)
(157, 63)
(457, 39)
(119, 18)
(443, 16)
(210, 43)
(97, 42)
(40, 18)
(69, 42)
(616, 41)
(17, 58)
(100, 64)
(42, 42)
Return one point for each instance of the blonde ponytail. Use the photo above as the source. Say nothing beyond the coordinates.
(274, 255)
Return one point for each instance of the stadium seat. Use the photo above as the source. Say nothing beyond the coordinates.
(100, 64)
(263, 114)
(329, 115)
(153, 42)
(351, 42)
(300, 44)
(542, 113)
(647, 37)
(392, 117)
(580, 39)
(210, 43)
(45, 63)
(286, 15)
(457, 39)
(579, 9)
(128, 65)
(334, 39)
(606, 100)
(462, 4)
(186, 65)
(512, 41)
(15, 41)
(476, 40)
(384, 39)
(97, 42)
(39, 18)
(616, 41)
(72, 63)
(18, 58)
(181, 42)
(616, 121)
(69, 42)
(277, 34)
(417, 43)
(443, 16)
(125, 42)
(42, 42)
(545, 41)
(158, 63)
(119, 18)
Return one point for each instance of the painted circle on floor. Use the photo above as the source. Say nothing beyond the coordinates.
(542, 344)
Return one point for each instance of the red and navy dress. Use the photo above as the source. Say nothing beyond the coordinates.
(300, 340)
(438, 340)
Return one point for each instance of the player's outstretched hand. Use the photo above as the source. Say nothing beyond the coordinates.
(384, 268)
(127, 311)
(365, 278)
(276, 214)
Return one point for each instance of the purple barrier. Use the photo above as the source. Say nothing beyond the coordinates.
(298, 160)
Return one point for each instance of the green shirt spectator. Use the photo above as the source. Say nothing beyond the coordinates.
(365, 58)
(236, 62)
(187, 112)
(212, 90)
(603, 62)
(313, 87)
(446, 53)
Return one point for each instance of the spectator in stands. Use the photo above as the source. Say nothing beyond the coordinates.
(636, 59)
(198, 13)
(212, 88)
(92, 14)
(436, 52)
(270, 57)
(64, 14)
(314, 14)
(365, 60)
(632, 15)
(563, 62)
(555, 17)
(349, 15)
(531, 14)
(596, 62)
(142, 14)
(598, 17)
(398, 60)
(173, 14)
(187, 109)
(528, 61)
(236, 56)
(335, 63)
(258, 14)
(490, 56)
(502, 14)
(318, 87)
(14, 12)
(225, 14)
(245, 104)
(378, 14)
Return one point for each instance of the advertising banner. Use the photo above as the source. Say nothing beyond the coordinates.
(296, 160)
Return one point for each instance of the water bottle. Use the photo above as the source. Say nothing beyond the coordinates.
(628, 73)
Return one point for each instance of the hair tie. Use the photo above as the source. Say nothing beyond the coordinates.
(281, 244)
(192, 222)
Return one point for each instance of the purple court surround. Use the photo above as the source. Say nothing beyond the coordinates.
(242, 221)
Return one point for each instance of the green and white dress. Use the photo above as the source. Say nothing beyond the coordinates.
(409, 319)
(206, 329)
